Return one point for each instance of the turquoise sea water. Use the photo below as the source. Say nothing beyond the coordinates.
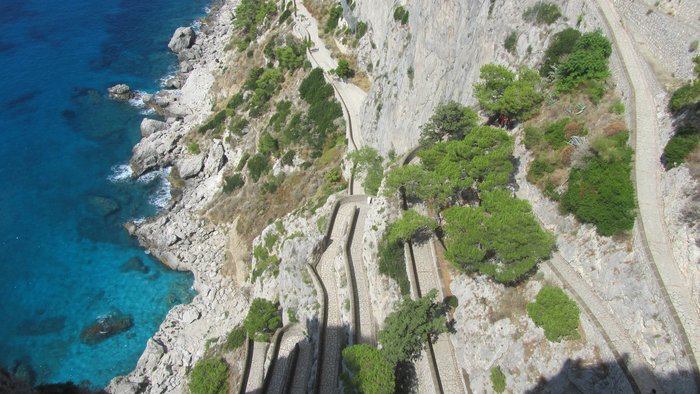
(63, 194)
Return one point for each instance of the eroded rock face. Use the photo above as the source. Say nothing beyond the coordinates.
(150, 126)
(106, 326)
(182, 39)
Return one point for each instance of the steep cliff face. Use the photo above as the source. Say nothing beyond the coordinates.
(436, 57)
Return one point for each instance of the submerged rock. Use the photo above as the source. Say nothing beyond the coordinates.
(135, 264)
(104, 206)
(120, 92)
(182, 39)
(106, 326)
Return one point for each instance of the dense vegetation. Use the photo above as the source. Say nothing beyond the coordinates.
(236, 338)
(262, 320)
(562, 45)
(392, 263)
(411, 226)
(510, 42)
(500, 238)
(503, 92)
(250, 14)
(410, 326)
(680, 145)
(368, 371)
(556, 313)
(587, 64)
(209, 376)
(601, 192)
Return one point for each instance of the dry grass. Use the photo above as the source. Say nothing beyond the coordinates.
(510, 305)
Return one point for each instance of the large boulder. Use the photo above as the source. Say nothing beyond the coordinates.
(150, 126)
(182, 39)
(190, 166)
(121, 92)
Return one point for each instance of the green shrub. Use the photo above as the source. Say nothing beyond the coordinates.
(288, 158)
(538, 169)
(679, 146)
(361, 29)
(510, 42)
(693, 46)
(392, 263)
(262, 320)
(257, 166)
(333, 15)
(368, 160)
(237, 124)
(241, 163)
(562, 44)
(501, 93)
(617, 107)
(534, 136)
(498, 380)
(209, 376)
(233, 182)
(368, 371)
(450, 121)
(343, 70)
(217, 121)
(264, 261)
(500, 238)
(273, 183)
(401, 15)
(555, 133)
(235, 101)
(193, 148)
(412, 324)
(250, 14)
(409, 226)
(556, 313)
(267, 145)
(542, 13)
(601, 192)
(235, 339)
(587, 62)
(686, 97)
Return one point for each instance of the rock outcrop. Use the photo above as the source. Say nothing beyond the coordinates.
(150, 126)
(120, 92)
(182, 39)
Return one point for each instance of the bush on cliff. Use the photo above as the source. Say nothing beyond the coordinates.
(262, 320)
(368, 371)
(556, 313)
(503, 92)
(209, 376)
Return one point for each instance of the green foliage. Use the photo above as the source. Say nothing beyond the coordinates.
(367, 159)
(450, 121)
(209, 376)
(361, 29)
(262, 320)
(235, 339)
(369, 371)
(193, 148)
(498, 380)
(556, 313)
(408, 328)
(237, 124)
(510, 42)
(292, 55)
(215, 122)
(333, 15)
(500, 238)
(409, 226)
(263, 262)
(273, 183)
(314, 87)
(235, 101)
(587, 62)
(617, 107)
(542, 13)
(242, 162)
(257, 166)
(288, 158)
(344, 70)
(401, 15)
(562, 45)
(555, 133)
(680, 145)
(233, 182)
(323, 110)
(250, 14)
(501, 93)
(267, 145)
(694, 46)
(686, 97)
(601, 192)
(392, 263)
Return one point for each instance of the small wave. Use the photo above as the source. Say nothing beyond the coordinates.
(147, 111)
(137, 100)
(120, 173)
(161, 197)
(139, 220)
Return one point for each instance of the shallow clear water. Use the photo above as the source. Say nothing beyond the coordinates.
(62, 197)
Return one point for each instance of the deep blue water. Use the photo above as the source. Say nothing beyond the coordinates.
(63, 248)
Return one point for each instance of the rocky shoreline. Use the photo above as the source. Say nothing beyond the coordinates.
(180, 236)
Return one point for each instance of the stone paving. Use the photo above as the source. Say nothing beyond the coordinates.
(256, 377)
(616, 337)
(647, 173)
(300, 381)
(282, 367)
(334, 336)
(365, 324)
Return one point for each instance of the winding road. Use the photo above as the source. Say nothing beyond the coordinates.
(647, 174)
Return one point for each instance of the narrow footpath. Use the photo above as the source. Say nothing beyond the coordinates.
(647, 174)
